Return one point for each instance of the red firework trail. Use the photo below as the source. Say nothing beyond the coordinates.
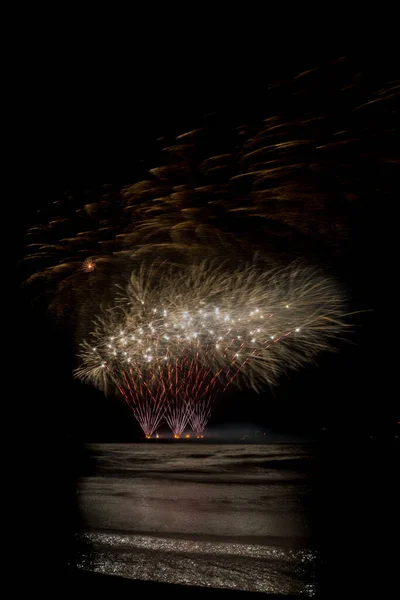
(147, 404)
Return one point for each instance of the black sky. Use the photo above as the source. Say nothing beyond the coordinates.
(344, 392)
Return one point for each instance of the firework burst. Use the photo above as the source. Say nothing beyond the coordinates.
(88, 265)
(181, 333)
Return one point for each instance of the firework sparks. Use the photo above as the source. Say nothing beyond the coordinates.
(179, 334)
(88, 265)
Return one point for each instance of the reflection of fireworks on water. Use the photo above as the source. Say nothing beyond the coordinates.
(177, 335)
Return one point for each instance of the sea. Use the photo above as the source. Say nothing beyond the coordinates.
(226, 516)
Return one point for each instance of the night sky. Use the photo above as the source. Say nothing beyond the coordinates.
(343, 393)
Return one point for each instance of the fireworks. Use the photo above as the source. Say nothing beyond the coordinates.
(283, 185)
(178, 335)
(88, 265)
